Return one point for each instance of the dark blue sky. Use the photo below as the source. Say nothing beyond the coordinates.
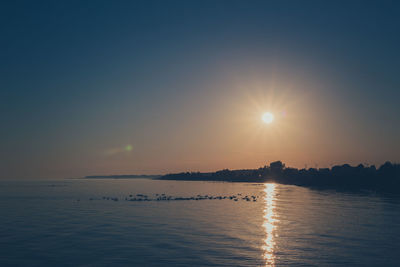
(82, 80)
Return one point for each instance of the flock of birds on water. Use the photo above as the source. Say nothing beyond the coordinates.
(164, 197)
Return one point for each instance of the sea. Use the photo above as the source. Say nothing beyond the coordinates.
(145, 222)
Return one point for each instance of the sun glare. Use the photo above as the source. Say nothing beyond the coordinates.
(267, 117)
(269, 225)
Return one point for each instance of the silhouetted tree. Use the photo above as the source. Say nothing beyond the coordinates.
(277, 166)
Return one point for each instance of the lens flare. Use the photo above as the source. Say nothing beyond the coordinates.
(119, 150)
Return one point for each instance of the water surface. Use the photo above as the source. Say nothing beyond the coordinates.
(68, 223)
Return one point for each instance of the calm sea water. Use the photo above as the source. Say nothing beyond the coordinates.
(68, 223)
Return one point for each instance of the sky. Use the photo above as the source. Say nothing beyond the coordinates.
(153, 87)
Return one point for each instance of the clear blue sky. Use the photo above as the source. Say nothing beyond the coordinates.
(90, 87)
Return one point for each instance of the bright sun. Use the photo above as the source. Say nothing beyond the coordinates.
(267, 117)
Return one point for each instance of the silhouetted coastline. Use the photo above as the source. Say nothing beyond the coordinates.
(124, 176)
(386, 178)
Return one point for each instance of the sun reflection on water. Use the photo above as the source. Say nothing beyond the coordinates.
(269, 225)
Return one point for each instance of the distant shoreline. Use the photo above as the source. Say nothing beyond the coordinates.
(386, 178)
(126, 176)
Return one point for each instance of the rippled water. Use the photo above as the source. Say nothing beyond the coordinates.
(56, 224)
